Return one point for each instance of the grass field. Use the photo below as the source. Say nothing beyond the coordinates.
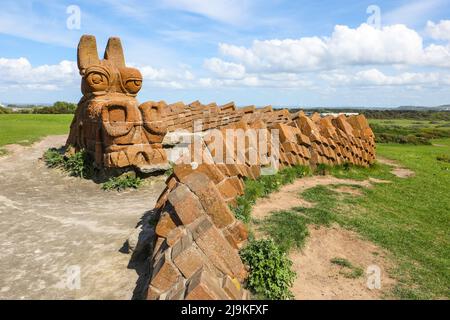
(409, 131)
(412, 123)
(28, 128)
(408, 217)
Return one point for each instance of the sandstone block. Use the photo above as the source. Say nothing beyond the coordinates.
(186, 204)
(165, 224)
(188, 261)
(236, 234)
(204, 286)
(210, 198)
(217, 249)
(165, 274)
(232, 288)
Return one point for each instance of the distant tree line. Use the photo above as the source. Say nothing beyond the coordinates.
(59, 107)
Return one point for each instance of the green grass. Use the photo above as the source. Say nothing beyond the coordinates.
(348, 269)
(122, 183)
(28, 128)
(409, 123)
(287, 228)
(263, 186)
(377, 170)
(408, 217)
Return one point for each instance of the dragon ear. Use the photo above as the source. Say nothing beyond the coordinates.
(87, 52)
(114, 52)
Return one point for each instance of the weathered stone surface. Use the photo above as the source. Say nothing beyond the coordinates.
(210, 198)
(218, 250)
(186, 204)
(177, 292)
(236, 234)
(232, 288)
(153, 293)
(188, 261)
(165, 274)
(174, 235)
(204, 286)
(165, 224)
(183, 170)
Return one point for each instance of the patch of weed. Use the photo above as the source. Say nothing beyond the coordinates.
(122, 183)
(77, 164)
(349, 270)
(443, 158)
(262, 187)
(270, 273)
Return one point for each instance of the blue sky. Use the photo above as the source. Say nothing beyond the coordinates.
(279, 52)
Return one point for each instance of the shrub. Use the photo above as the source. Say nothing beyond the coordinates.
(77, 164)
(169, 171)
(53, 158)
(270, 273)
(443, 158)
(59, 107)
(4, 110)
(122, 183)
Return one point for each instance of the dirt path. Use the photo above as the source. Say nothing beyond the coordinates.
(317, 277)
(52, 225)
(397, 169)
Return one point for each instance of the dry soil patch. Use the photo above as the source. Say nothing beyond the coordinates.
(52, 224)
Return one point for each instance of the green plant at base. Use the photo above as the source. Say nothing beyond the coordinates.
(122, 183)
(53, 158)
(77, 164)
(270, 273)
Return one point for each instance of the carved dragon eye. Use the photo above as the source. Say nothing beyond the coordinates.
(97, 79)
(133, 85)
(130, 80)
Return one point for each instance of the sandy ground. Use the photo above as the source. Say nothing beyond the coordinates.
(54, 227)
(317, 277)
(397, 169)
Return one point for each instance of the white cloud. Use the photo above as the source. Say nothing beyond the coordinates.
(225, 69)
(439, 31)
(166, 78)
(364, 45)
(227, 11)
(20, 73)
(412, 13)
(374, 77)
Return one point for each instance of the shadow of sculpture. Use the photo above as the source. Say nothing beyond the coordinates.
(140, 245)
